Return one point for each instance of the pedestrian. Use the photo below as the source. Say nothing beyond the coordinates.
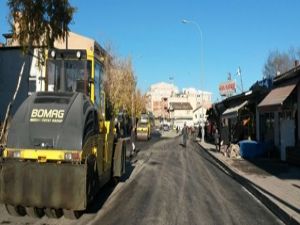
(217, 139)
(184, 133)
(132, 139)
(200, 132)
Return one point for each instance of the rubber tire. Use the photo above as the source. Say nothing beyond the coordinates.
(35, 212)
(114, 181)
(92, 176)
(53, 213)
(72, 214)
(15, 210)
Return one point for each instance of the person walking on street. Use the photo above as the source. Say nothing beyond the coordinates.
(132, 139)
(200, 133)
(217, 139)
(184, 133)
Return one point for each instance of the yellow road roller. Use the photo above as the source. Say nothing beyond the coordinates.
(61, 148)
(143, 127)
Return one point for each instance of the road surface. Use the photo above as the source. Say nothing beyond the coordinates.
(169, 184)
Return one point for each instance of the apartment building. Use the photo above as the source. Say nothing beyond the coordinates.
(158, 98)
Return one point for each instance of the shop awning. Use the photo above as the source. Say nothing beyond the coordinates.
(233, 111)
(274, 100)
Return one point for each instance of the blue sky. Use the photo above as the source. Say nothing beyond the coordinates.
(235, 33)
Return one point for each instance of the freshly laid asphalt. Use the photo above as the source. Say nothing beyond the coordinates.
(169, 184)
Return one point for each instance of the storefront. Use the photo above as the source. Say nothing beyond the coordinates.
(236, 117)
(231, 118)
(278, 113)
(239, 119)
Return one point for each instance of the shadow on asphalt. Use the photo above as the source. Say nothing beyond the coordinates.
(242, 180)
(205, 155)
(106, 191)
(277, 168)
(268, 166)
(145, 144)
(154, 134)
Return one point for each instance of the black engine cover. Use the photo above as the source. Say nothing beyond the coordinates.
(52, 120)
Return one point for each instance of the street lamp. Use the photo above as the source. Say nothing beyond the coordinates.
(202, 119)
(201, 52)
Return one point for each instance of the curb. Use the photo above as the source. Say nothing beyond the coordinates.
(254, 189)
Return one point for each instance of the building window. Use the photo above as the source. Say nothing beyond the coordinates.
(267, 127)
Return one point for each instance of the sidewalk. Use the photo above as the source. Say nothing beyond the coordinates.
(274, 183)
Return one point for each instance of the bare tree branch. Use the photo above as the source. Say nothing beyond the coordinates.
(279, 62)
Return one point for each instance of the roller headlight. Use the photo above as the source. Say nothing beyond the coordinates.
(53, 54)
(78, 54)
(72, 156)
(13, 154)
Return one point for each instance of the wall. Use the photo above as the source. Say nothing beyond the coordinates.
(76, 41)
(200, 112)
(195, 99)
(182, 116)
(11, 61)
(158, 98)
(298, 112)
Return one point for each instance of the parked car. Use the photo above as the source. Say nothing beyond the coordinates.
(166, 127)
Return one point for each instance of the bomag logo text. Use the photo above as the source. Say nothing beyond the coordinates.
(47, 115)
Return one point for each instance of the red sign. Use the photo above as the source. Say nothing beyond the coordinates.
(227, 88)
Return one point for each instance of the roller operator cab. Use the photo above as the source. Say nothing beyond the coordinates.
(61, 148)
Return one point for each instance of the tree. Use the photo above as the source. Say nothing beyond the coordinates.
(139, 103)
(119, 83)
(39, 22)
(36, 23)
(279, 62)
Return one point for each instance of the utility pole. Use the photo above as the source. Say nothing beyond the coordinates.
(203, 116)
(239, 73)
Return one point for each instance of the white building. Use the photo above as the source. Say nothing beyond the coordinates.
(198, 98)
(199, 115)
(199, 101)
(195, 97)
(162, 94)
(180, 113)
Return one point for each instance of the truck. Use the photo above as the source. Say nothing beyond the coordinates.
(61, 147)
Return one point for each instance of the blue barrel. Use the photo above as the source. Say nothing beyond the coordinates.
(250, 149)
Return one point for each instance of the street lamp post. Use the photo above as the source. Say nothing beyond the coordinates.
(201, 50)
(202, 119)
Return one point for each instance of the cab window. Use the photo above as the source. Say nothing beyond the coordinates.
(98, 74)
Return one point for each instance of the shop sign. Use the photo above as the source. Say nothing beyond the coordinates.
(227, 88)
